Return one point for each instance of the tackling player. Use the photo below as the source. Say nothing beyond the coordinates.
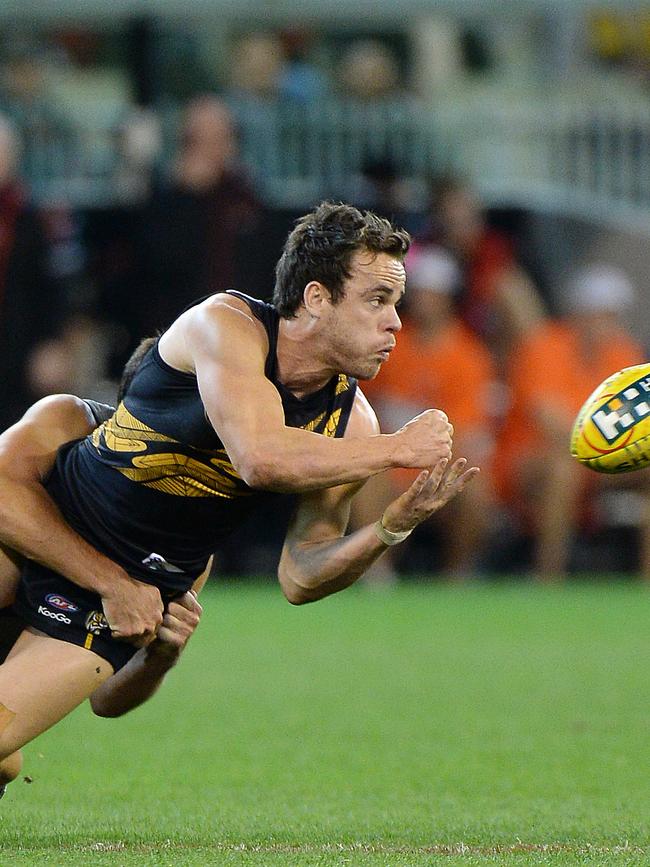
(27, 453)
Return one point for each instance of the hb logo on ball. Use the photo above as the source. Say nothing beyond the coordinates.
(623, 410)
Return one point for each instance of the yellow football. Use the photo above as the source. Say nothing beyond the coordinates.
(612, 431)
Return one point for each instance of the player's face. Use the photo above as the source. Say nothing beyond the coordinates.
(364, 324)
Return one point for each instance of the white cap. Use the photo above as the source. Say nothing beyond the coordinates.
(432, 268)
(600, 287)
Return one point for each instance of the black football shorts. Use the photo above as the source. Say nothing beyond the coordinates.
(49, 602)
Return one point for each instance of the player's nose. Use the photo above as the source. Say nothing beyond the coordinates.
(394, 322)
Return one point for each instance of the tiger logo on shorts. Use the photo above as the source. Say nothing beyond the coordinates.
(95, 622)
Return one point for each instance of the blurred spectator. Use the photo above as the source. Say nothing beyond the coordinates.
(139, 145)
(197, 227)
(551, 373)
(498, 300)
(300, 80)
(438, 362)
(381, 188)
(25, 98)
(29, 303)
(256, 67)
(74, 361)
(369, 71)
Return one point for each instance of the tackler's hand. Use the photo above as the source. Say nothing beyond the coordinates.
(179, 622)
(134, 611)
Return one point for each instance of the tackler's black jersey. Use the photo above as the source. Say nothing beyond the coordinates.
(153, 487)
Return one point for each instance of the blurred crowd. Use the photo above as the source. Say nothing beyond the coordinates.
(511, 368)
(509, 358)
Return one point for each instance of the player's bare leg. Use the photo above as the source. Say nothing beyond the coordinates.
(9, 574)
(553, 489)
(464, 525)
(42, 680)
(644, 528)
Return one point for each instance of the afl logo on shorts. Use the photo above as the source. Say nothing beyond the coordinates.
(95, 622)
(60, 602)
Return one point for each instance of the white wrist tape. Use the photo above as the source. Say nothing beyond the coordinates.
(387, 536)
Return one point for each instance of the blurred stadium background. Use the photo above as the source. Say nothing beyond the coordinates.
(151, 152)
(154, 152)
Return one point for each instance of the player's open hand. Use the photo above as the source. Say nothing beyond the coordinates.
(430, 491)
(134, 611)
(179, 622)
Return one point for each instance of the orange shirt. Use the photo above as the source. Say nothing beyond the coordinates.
(494, 254)
(452, 372)
(549, 366)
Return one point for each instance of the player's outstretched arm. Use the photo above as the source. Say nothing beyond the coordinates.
(226, 348)
(318, 560)
(144, 673)
(32, 526)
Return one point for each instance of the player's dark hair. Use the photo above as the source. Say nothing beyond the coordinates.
(321, 247)
(133, 364)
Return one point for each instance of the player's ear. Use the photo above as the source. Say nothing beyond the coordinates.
(315, 296)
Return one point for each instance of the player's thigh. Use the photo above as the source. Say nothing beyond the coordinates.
(9, 575)
(42, 680)
(10, 628)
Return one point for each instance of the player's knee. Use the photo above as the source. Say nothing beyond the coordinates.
(8, 744)
(10, 767)
(104, 709)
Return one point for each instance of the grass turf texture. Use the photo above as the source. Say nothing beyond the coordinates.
(424, 725)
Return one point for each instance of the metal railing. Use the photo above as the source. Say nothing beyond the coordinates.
(590, 160)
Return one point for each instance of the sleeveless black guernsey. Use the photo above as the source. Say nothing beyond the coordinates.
(153, 487)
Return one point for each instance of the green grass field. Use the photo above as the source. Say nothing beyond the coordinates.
(422, 725)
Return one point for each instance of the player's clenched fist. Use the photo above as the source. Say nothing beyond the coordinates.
(425, 440)
(134, 611)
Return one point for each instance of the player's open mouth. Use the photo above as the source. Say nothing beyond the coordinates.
(384, 353)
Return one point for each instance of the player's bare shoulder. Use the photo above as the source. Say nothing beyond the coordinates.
(363, 419)
(221, 320)
(231, 308)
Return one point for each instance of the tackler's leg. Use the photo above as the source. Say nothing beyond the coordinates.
(42, 680)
